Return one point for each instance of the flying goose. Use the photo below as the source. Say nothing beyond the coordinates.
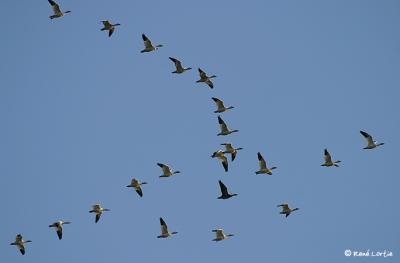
(108, 26)
(220, 155)
(286, 210)
(59, 227)
(224, 191)
(20, 243)
(230, 149)
(220, 106)
(164, 230)
(56, 10)
(178, 66)
(224, 128)
(167, 172)
(220, 235)
(371, 143)
(206, 79)
(263, 166)
(98, 210)
(148, 47)
(136, 184)
(328, 160)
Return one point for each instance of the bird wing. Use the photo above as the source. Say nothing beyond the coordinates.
(55, 6)
(224, 190)
(111, 31)
(368, 137)
(203, 75)
(164, 227)
(284, 207)
(328, 158)
(147, 42)
(261, 161)
(220, 103)
(222, 124)
(139, 190)
(59, 233)
(97, 217)
(224, 162)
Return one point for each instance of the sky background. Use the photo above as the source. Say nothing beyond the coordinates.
(82, 114)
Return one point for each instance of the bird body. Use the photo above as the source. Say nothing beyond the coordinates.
(263, 166)
(137, 186)
(224, 128)
(220, 106)
(108, 26)
(56, 10)
(286, 210)
(164, 230)
(59, 227)
(98, 210)
(224, 191)
(220, 155)
(205, 79)
(328, 160)
(167, 171)
(231, 150)
(371, 144)
(20, 243)
(148, 46)
(220, 235)
(178, 65)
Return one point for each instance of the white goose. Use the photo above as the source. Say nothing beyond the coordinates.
(59, 227)
(98, 210)
(263, 166)
(108, 26)
(167, 171)
(56, 10)
(286, 210)
(206, 79)
(136, 184)
(20, 243)
(371, 143)
(220, 106)
(224, 128)
(328, 160)
(220, 235)
(164, 230)
(148, 46)
(230, 149)
(178, 66)
(220, 155)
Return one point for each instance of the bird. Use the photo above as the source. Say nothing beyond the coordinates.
(108, 26)
(206, 79)
(286, 210)
(328, 160)
(167, 172)
(20, 243)
(371, 143)
(136, 184)
(178, 66)
(148, 47)
(263, 166)
(59, 227)
(220, 235)
(224, 128)
(220, 105)
(220, 155)
(98, 210)
(224, 191)
(230, 149)
(56, 9)
(164, 230)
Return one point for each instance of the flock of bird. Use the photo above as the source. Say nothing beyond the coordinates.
(98, 210)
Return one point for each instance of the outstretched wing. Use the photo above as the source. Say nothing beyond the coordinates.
(147, 42)
(261, 161)
(328, 158)
(224, 190)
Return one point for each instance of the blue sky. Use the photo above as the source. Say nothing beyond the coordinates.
(82, 114)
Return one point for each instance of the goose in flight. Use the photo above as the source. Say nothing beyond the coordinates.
(220, 106)
(220, 235)
(20, 243)
(136, 184)
(98, 210)
(328, 160)
(224, 128)
(206, 79)
(56, 10)
(371, 143)
(230, 149)
(224, 191)
(148, 47)
(164, 230)
(286, 210)
(108, 26)
(178, 66)
(59, 227)
(220, 155)
(263, 166)
(167, 172)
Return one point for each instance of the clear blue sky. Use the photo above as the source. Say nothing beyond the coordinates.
(81, 114)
